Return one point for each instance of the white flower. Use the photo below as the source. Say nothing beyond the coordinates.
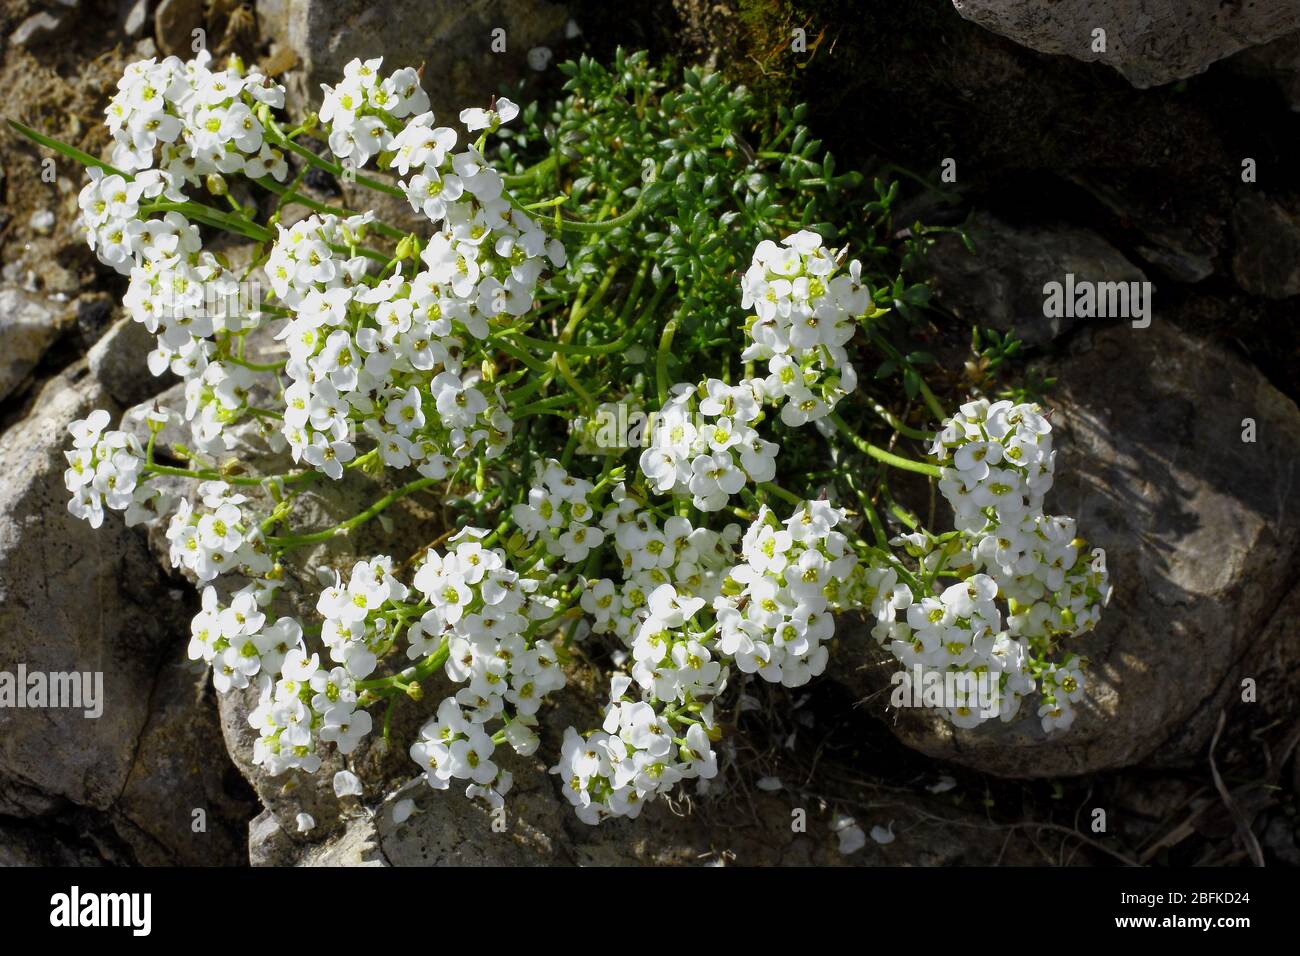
(346, 784)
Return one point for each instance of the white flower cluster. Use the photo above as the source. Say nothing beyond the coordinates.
(956, 631)
(651, 553)
(179, 292)
(559, 510)
(104, 468)
(485, 257)
(358, 618)
(204, 121)
(775, 611)
(997, 465)
(804, 316)
(110, 213)
(712, 454)
(237, 640)
(770, 615)
(481, 610)
(218, 537)
(305, 705)
(361, 109)
(380, 355)
(633, 758)
(174, 122)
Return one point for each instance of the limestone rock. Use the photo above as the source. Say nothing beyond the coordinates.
(1202, 540)
(181, 767)
(1149, 42)
(452, 38)
(1001, 284)
(118, 361)
(28, 326)
(1267, 257)
(73, 598)
(174, 24)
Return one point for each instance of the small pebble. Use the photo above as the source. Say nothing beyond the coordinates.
(851, 837)
(539, 57)
(402, 810)
(883, 835)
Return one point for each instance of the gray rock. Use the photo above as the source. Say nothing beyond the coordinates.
(1149, 42)
(1001, 284)
(22, 845)
(1180, 235)
(446, 829)
(73, 598)
(452, 38)
(174, 23)
(134, 14)
(118, 361)
(1267, 257)
(1278, 62)
(1202, 540)
(181, 767)
(37, 29)
(28, 326)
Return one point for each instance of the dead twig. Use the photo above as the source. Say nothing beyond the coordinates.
(1238, 815)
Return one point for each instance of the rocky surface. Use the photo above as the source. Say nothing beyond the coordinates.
(1150, 42)
(1199, 527)
(183, 803)
(73, 598)
(1202, 542)
(538, 829)
(1267, 257)
(28, 326)
(453, 39)
(1000, 284)
(117, 361)
(1279, 62)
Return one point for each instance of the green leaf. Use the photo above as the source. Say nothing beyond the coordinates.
(71, 152)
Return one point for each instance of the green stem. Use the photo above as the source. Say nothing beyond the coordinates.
(885, 457)
(416, 672)
(897, 424)
(209, 474)
(274, 134)
(289, 195)
(661, 359)
(298, 540)
(85, 159)
(558, 401)
(774, 489)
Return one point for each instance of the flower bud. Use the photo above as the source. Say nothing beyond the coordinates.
(216, 184)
